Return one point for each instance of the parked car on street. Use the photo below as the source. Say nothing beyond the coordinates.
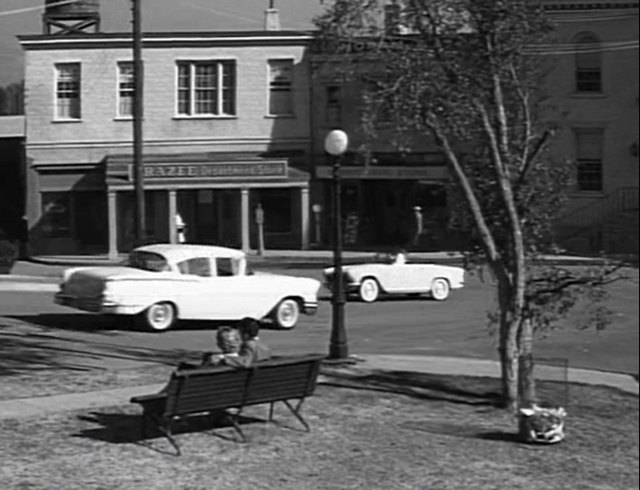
(391, 274)
(163, 283)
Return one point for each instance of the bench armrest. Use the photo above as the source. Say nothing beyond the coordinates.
(144, 399)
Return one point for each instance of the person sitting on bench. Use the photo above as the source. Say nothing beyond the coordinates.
(228, 341)
(251, 349)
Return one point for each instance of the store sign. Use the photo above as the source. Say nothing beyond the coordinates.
(214, 170)
(383, 173)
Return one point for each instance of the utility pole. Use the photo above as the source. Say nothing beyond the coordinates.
(138, 113)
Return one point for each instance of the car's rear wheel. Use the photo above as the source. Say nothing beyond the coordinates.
(159, 317)
(286, 314)
(440, 289)
(369, 290)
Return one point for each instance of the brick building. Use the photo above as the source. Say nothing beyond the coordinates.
(226, 128)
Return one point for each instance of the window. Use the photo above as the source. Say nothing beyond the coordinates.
(126, 89)
(206, 88)
(333, 108)
(392, 19)
(589, 143)
(68, 91)
(588, 64)
(198, 266)
(280, 87)
(380, 106)
(227, 266)
(148, 261)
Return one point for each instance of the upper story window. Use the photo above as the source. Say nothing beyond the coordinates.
(380, 106)
(206, 88)
(333, 108)
(589, 146)
(392, 19)
(588, 63)
(280, 87)
(126, 89)
(68, 91)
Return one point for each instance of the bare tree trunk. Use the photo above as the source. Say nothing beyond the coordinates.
(508, 347)
(526, 380)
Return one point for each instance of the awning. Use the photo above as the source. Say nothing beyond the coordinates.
(204, 170)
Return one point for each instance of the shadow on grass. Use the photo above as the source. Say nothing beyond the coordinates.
(111, 325)
(424, 386)
(124, 428)
(467, 431)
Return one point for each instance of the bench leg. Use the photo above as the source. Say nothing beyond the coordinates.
(232, 418)
(295, 410)
(149, 416)
(167, 433)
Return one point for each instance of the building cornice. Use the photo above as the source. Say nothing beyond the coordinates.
(152, 40)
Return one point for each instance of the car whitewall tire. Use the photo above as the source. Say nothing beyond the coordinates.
(369, 290)
(440, 289)
(160, 317)
(286, 314)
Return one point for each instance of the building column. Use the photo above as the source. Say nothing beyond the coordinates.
(112, 214)
(173, 212)
(244, 218)
(304, 218)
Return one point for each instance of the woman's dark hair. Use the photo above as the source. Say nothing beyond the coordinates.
(249, 327)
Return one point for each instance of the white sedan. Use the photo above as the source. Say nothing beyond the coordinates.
(163, 283)
(395, 276)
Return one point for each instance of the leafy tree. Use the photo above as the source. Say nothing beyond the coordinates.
(460, 73)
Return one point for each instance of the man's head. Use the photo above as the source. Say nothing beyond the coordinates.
(228, 340)
(249, 328)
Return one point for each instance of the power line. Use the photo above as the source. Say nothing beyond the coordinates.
(39, 7)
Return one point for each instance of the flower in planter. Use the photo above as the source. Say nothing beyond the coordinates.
(542, 425)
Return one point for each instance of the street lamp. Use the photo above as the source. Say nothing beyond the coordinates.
(336, 144)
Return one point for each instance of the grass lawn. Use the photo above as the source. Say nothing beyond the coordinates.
(369, 430)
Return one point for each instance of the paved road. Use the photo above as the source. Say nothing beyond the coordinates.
(47, 334)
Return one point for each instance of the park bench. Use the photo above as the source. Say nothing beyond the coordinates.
(227, 390)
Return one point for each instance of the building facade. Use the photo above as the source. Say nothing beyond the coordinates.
(594, 84)
(235, 122)
(225, 129)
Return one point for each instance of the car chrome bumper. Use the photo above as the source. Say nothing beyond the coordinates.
(310, 308)
(95, 305)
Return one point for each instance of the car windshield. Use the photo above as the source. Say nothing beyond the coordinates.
(148, 261)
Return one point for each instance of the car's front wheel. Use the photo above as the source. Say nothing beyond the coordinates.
(286, 314)
(369, 290)
(440, 289)
(159, 317)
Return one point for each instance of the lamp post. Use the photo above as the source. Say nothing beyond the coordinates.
(336, 144)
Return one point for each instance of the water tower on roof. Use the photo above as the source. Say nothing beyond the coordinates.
(71, 16)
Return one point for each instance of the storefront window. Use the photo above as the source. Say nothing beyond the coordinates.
(56, 214)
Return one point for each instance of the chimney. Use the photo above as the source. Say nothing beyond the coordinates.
(271, 18)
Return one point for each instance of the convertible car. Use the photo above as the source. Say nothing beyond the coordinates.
(162, 283)
(391, 274)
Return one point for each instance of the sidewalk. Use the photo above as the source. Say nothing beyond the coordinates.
(29, 407)
(49, 268)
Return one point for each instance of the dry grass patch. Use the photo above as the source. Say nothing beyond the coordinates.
(375, 431)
